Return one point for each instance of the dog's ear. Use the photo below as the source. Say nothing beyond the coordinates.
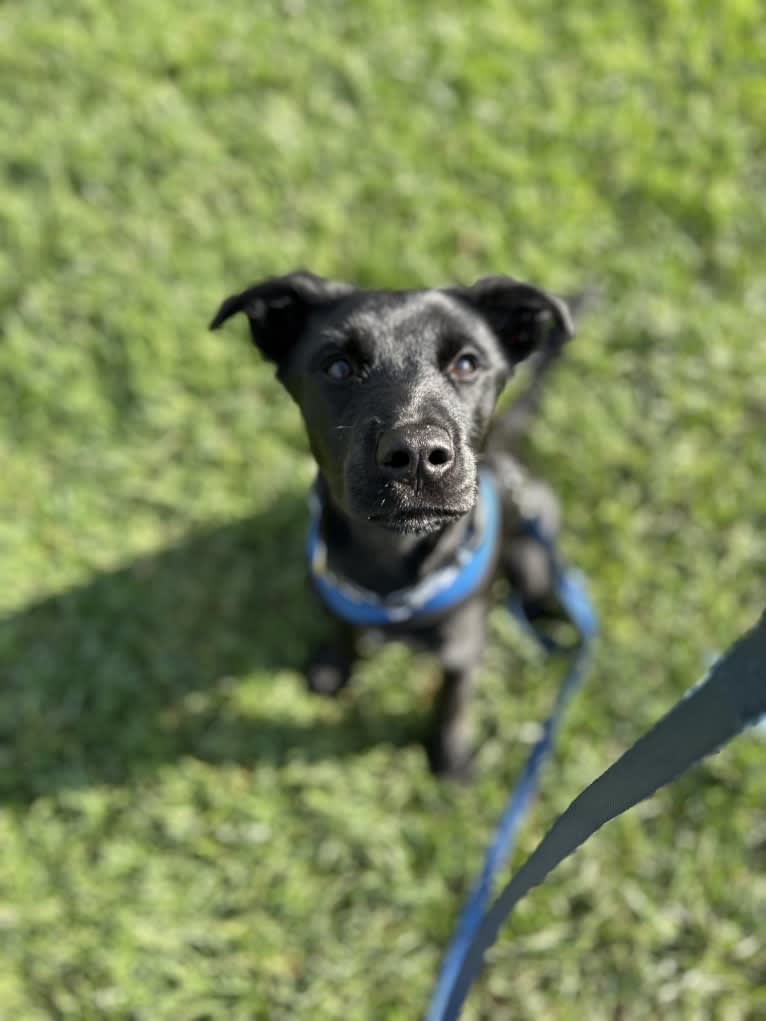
(524, 318)
(277, 308)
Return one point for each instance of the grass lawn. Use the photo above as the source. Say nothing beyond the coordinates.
(185, 834)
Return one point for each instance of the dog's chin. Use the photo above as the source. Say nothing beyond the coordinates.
(417, 522)
(398, 509)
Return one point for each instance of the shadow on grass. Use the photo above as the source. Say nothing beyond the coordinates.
(133, 669)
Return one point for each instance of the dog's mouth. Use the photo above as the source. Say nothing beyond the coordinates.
(418, 520)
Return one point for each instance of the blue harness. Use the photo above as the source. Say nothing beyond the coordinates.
(446, 588)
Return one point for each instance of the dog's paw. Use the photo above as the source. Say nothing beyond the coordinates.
(328, 673)
(457, 767)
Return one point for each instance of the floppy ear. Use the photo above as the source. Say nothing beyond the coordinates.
(524, 318)
(277, 308)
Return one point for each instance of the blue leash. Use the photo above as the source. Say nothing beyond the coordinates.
(728, 700)
(570, 591)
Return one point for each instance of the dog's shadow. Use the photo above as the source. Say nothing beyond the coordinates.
(136, 667)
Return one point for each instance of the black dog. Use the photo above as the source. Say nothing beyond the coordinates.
(397, 389)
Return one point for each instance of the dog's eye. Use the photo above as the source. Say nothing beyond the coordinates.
(464, 367)
(339, 369)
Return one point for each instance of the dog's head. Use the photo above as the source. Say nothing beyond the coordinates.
(397, 388)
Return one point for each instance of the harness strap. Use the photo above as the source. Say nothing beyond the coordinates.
(730, 698)
(446, 588)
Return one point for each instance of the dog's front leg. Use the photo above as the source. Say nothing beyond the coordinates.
(448, 746)
(330, 667)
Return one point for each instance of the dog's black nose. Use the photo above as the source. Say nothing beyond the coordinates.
(413, 451)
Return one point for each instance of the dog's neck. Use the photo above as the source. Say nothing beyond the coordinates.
(378, 559)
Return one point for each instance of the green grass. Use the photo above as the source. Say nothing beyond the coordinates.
(185, 835)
